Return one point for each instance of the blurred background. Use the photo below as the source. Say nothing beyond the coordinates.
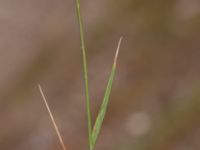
(155, 101)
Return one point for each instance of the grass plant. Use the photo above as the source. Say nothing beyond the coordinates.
(93, 130)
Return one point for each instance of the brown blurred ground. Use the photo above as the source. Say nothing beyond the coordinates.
(155, 102)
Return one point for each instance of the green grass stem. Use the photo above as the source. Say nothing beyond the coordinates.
(85, 73)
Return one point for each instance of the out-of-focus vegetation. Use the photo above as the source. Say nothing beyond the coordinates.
(155, 102)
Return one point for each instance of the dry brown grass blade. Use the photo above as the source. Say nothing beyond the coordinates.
(52, 119)
(117, 51)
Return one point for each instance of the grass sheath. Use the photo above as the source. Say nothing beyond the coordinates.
(52, 119)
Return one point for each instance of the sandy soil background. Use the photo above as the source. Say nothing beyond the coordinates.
(155, 101)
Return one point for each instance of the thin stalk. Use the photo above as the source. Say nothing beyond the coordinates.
(52, 118)
(85, 73)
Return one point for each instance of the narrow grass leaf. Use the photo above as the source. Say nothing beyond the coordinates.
(52, 119)
(104, 105)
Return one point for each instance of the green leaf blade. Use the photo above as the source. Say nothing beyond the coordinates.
(103, 109)
(102, 112)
